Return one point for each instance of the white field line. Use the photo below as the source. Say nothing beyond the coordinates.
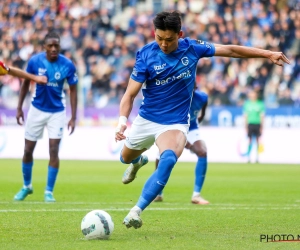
(149, 209)
(132, 203)
(65, 203)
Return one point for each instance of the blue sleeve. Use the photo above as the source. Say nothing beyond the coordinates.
(139, 72)
(201, 97)
(72, 77)
(203, 49)
(204, 97)
(30, 67)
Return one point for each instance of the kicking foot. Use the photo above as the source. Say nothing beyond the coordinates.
(48, 197)
(133, 219)
(158, 198)
(130, 173)
(199, 200)
(23, 193)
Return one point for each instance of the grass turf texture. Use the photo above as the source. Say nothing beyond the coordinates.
(247, 200)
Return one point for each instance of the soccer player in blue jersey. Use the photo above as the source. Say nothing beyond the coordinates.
(195, 145)
(47, 110)
(165, 70)
(13, 71)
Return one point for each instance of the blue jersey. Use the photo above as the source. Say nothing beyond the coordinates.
(169, 79)
(198, 101)
(50, 97)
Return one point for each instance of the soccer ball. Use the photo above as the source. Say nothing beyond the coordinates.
(97, 224)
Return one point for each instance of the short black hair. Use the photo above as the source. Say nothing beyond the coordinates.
(52, 34)
(168, 21)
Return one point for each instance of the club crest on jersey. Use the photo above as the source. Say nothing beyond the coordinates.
(57, 75)
(185, 61)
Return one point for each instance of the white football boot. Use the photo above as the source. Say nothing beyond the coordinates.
(130, 173)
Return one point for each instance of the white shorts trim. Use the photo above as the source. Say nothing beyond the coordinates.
(143, 133)
(37, 120)
(193, 136)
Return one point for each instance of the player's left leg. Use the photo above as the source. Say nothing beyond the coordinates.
(53, 168)
(171, 144)
(199, 148)
(55, 127)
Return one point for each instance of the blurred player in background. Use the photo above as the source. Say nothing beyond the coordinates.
(13, 71)
(195, 145)
(47, 109)
(254, 111)
(165, 70)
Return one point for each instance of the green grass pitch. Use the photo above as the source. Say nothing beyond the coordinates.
(247, 200)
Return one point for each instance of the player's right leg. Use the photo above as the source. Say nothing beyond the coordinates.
(34, 129)
(27, 164)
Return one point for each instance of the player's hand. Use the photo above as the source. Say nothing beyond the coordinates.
(3, 69)
(41, 79)
(71, 126)
(120, 129)
(278, 58)
(188, 145)
(20, 115)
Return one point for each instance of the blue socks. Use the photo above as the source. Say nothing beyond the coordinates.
(27, 172)
(200, 172)
(52, 173)
(158, 179)
(133, 162)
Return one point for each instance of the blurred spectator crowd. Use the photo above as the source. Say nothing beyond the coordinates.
(102, 39)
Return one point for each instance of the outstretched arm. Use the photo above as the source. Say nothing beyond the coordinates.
(13, 71)
(250, 52)
(126, 104)
(23, 74)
